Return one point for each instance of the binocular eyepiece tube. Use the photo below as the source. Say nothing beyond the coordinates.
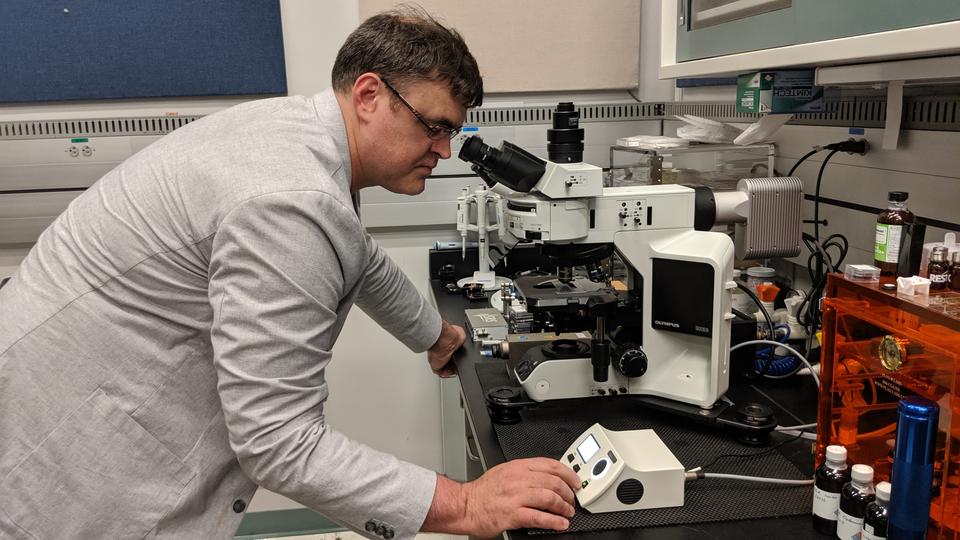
(509, 165)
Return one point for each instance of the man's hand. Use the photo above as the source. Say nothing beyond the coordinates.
(523, 493)
(451, 338)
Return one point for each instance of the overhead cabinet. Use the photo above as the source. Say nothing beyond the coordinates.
(711, 37)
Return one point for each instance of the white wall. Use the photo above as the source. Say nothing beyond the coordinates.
(10, 257)
(312, 34)
(543, 45)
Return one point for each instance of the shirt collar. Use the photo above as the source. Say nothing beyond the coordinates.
(331, 118)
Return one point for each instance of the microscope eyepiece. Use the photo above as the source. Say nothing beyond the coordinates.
(509, 165)
(474, 150)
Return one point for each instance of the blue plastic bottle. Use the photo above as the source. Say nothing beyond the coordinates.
(912, 476)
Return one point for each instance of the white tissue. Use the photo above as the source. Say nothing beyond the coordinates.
(706, 130)
(913, 285)
(762, 130)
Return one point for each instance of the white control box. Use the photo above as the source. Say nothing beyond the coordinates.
(624, 470)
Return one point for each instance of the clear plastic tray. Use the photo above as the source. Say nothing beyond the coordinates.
(861, 272)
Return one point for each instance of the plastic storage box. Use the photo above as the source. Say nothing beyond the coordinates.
(861, 272)
(719, 166)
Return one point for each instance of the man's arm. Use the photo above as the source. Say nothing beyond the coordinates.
(278, 274)
(390, 299)
(388, 296)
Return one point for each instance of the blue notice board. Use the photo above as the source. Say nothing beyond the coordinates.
(115, 49)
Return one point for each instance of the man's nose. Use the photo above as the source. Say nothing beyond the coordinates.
(442, 148)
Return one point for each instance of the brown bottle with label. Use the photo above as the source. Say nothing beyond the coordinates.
(892, 227)
(938, 269)
(955, 272)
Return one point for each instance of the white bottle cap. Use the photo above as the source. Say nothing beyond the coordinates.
(883, 491)
(836, 453)
(862, 474)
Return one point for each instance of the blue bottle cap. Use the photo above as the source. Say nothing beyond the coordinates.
(916, 430)
(918, 408)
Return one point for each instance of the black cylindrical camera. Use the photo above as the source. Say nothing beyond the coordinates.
(565, 140)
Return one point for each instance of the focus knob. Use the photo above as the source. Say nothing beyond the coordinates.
(632, 362)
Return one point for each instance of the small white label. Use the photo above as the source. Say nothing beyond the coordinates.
(887, 242)
(867, 534)
(848, 527)
(894, 233)
(825, 504)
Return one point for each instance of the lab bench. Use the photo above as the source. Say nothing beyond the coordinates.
(794, 402)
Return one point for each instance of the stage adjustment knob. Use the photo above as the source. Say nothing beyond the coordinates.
(632, 362)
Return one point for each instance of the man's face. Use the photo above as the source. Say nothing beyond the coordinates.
(402, 151)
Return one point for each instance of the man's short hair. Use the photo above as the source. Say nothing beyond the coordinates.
(406, 45)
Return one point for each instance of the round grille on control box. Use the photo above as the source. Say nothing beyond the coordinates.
(630, 491)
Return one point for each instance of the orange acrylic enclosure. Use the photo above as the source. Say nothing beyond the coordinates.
(878, 347)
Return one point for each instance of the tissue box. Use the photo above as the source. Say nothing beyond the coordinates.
(779, 92)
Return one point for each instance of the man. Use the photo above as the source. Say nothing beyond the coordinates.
(163, 346)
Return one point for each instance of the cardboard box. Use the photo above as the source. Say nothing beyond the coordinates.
(779, 92)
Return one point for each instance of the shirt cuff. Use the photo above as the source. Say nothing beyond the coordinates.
(422, 486)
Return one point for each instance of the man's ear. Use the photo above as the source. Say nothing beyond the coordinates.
(367, 96)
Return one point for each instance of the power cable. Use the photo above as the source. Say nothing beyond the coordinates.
(700, 475)
(747, 455)
(801, 160)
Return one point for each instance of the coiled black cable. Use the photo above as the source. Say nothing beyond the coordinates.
(819, 264)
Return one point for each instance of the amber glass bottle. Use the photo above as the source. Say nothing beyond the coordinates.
(955, 272)
(830, 477)
(892, 226)
(938, 269)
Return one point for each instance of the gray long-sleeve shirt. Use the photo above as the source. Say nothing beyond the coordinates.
(169, 333)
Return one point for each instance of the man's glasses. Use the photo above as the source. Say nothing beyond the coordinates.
(435, 132)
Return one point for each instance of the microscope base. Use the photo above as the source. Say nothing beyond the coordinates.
(570, 378)
(489, 280)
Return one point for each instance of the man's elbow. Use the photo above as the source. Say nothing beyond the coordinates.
(275, 463)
